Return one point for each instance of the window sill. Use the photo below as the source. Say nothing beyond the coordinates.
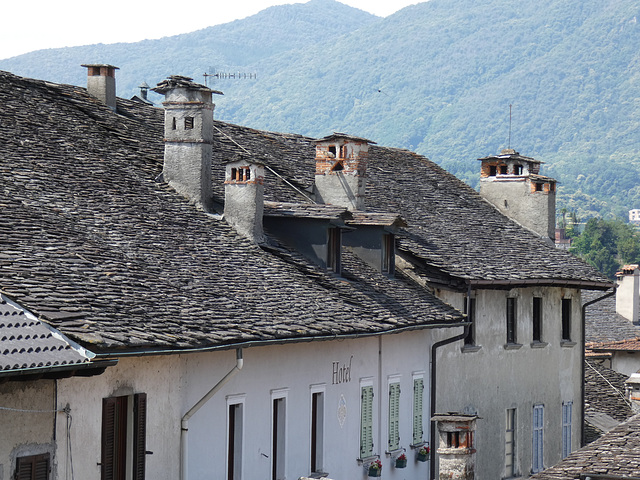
(471, 348)
(316, 475)
(538, 345)
(567, 343)
(368, 460)
(513, 346)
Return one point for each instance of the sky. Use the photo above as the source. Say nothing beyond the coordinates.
(39, 24)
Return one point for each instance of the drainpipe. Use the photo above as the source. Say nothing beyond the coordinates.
(582, 358)
(185, 419)
(432, 407)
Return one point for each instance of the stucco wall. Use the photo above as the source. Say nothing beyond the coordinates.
(174, 384)
(492, 379)
(27, 432)
(626, 362)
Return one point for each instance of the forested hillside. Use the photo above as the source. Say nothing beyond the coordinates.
(437, 77)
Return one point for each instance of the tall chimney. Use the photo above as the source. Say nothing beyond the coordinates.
(513, 184)
(188, 137)
(244, 198)
(341, 163)
(628, 293)
(101, 83)
(456, 452)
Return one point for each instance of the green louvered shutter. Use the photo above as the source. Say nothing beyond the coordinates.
(418, 393)
(394, 416)
(366, 422)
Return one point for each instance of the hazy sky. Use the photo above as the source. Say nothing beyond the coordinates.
(38, 24)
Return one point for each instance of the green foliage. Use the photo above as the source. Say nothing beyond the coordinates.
(607, 245)
(437, 77)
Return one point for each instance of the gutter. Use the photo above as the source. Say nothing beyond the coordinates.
(184, 424)
(541, 282)
(279, 341)
(85, 369)
(582, 358)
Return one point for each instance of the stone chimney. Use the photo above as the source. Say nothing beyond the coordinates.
(513, 184)
(144, 90)
(633, 391)
(101, 83)
(456, 452)
(628, 293)
(341, 163)
(188, 137)
(244, 198)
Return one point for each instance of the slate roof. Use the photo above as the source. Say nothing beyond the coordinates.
(450, 227)
(93, 245)
(603, 324)
(615, 455)
(30, 347)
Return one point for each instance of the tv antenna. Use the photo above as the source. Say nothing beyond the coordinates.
(212, 73)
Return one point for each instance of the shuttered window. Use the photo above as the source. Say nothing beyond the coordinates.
(567, 408)
(510, 444)
(394, 416)
(418, 395)
(537, 454)
(366, 421)
(117, 446)
(34, 467)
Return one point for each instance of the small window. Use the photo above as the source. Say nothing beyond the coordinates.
(188, 123)
(503, 169)
(317, 431)
(388, 253)
(493, 170)
(33, 467)
(537, 319)
(510, 444)
(332, 150)
(517, 169)
(334, 245)
(278, 439)
(174, 123)
(566, 319)
(234, 448)
(539, 187)
(511, 320)
(470, 311)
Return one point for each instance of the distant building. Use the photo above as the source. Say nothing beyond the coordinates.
(634, 216)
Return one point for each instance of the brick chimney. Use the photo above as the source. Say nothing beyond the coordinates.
(513, 184)
(101, 83)
(188, 137)
(628, 293)
(456, 452)
(244, 198)
(341, 163)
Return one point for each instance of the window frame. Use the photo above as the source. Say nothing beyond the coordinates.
(334, 249)
(512, 320)
(470, 311)
(566, 311)
(36, 464)
(317, 428)
(235, 446)
(279, 435)
(537, 319)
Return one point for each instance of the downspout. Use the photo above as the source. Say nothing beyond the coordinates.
(184, 430)
(582, 359)
(432, 405)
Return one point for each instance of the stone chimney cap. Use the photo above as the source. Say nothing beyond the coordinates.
(344, 136)
(143, 85)
(178, 81)
(628, 269)
(100, 65)
(454, 417)
(239, 157)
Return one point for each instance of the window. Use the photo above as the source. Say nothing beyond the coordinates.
(278, 440)
(470, 311)
(537, 319)
(537, 453)
(234, 447)
(539, 187)
(333, 250)
(124, 437)
(188, 123)
(567, 408)
(174, 124)
(418, 396)
(511, 320)
(394, 416)
(493, 170)
(388, 253)
(510, 444)
(517, 169)
(332, 150)
(366, 421)
(317, 431)
(34, 467)
(566, 319)
(503, 169)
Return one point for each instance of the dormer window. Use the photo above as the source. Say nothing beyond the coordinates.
(334, 244)
(388, 253)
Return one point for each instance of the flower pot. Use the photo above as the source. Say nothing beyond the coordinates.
(374, 472)
(401, 463)
(423, 457)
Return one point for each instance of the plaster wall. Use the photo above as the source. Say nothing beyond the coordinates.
(26, 422)
(626, 363)
(628, 297)
(536, 211)
(492, 377)
(337, 188)
(174, 384)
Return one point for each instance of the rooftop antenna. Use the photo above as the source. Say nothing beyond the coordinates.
(227, 75)
(509, 126)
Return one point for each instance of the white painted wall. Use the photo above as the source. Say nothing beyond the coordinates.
(626, 363)
(493, 379)
(175, 383)
(27, 432)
